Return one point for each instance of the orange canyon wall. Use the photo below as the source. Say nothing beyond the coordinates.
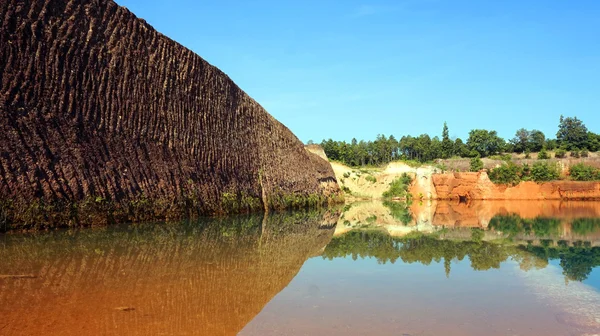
(478, 186)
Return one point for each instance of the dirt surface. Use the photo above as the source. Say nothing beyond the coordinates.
(371, 183)
(99, 110)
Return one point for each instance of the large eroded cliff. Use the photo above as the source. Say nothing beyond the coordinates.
(103, 118)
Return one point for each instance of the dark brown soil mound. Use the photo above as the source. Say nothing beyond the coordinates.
(104, 119)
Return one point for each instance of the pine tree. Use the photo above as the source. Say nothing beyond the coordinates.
(447, 144)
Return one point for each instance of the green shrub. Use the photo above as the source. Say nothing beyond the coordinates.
(508, 173)
(544, 171)
(584, 153)
(560, 153)
(543, 155)
(347, 174)
(476, 164)
(575, 153)
(371, 178)
(525, 172)
(477, 234)
(528, 154)
(583, 172)
(399, 187)
(441, 167)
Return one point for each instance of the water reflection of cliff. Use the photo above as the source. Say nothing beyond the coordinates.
(488, 233)
(521, 221)
(208, 278)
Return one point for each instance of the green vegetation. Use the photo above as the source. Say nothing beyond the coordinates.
(477, 234)
(101, 211)
(560, 153)
(512, 174)
(399, 211)
(484, 142)
(541, 172)
(572, 136)
(543, 154)
(584, 226)
(507, 173)
(476, 164)
(371, 178)
(583, 172)
(576, 262)
(399, 188)
(584, 153)
(528, 141)
(513, 225)
(572, 133)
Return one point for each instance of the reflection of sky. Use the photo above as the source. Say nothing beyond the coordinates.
(594, 279)
(347, 297)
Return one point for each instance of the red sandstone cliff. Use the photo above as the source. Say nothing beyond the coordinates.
(477, 186)
(99, 111)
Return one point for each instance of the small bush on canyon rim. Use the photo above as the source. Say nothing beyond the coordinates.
(476, 164)
(399, 187)
(371, 179)
(541, 171)
(507, 173)
(583, 172)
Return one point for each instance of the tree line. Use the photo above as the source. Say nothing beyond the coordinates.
(572, 136)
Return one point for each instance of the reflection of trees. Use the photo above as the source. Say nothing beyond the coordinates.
(400, 211)
(577, 262)
(513, 225)
(421, 249)
(585, 226)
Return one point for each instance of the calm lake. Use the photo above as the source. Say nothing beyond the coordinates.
(372, 268)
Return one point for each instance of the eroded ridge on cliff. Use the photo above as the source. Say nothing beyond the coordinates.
(101, 114)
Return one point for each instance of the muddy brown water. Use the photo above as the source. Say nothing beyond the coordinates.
(290, 274)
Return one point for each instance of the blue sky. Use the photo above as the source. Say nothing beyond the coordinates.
(346, 68)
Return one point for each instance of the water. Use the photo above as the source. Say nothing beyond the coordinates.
(370, 269)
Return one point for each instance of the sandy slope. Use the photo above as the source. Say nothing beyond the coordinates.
(361, 185)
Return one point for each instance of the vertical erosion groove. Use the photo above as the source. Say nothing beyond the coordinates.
(97, 107)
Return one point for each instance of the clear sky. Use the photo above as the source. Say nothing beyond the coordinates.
(347, 68)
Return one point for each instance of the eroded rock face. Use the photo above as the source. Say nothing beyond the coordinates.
(99, 110)
(477, 186)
